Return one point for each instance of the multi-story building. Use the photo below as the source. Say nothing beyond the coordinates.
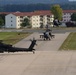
(12, 21)
(37, 18)
(67, 15)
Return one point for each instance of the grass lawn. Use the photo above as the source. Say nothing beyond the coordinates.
(69, 43)
(12, 37)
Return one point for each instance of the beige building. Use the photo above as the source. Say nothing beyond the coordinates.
(37, 18)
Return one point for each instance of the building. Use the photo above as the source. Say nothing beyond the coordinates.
(67, 15)
(37, 18)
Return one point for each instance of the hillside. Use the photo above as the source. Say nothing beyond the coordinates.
(5, 2)
(32, 5)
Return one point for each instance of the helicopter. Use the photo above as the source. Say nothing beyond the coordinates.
(47, 35)
(9, 48)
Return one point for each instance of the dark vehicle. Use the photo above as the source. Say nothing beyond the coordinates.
(56, 22)
(47, 35)
(9, 48)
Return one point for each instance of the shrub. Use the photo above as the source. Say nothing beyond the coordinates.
(70, 24)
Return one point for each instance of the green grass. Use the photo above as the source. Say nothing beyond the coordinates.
(12, 37)
(69, 43)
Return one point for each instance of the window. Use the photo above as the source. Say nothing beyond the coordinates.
(21, 16)
(11, 25)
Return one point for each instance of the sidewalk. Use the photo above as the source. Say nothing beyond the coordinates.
(46, 61)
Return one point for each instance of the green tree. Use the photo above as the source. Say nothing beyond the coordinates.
(73, 17)
(26, 22)
(1, 22)
(57, 11)
(3, 17)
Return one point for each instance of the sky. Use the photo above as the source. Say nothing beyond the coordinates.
(72, 0)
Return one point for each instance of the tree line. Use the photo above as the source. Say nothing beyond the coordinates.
(33, 7)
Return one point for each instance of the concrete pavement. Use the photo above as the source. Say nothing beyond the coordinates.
(46, 61)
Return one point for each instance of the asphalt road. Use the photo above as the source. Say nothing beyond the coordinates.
(54, 30)
(47, 60)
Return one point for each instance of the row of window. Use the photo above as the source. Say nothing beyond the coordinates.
(18, 21)
(13, 25)
(67, 13)
(65, 20)
(35, 24)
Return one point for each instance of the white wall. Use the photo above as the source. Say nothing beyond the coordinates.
(66, 17)
(11, 21)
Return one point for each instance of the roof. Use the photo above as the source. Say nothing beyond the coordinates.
(69, 11)
(6, 13)
(22, 14)
(32, 13)
(40, 12)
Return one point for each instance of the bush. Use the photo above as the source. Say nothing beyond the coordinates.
(70, 24)
(41, 26)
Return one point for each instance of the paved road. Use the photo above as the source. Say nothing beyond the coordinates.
(46, 61)
(55, 30)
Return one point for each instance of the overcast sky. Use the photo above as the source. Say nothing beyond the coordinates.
(72, 0)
